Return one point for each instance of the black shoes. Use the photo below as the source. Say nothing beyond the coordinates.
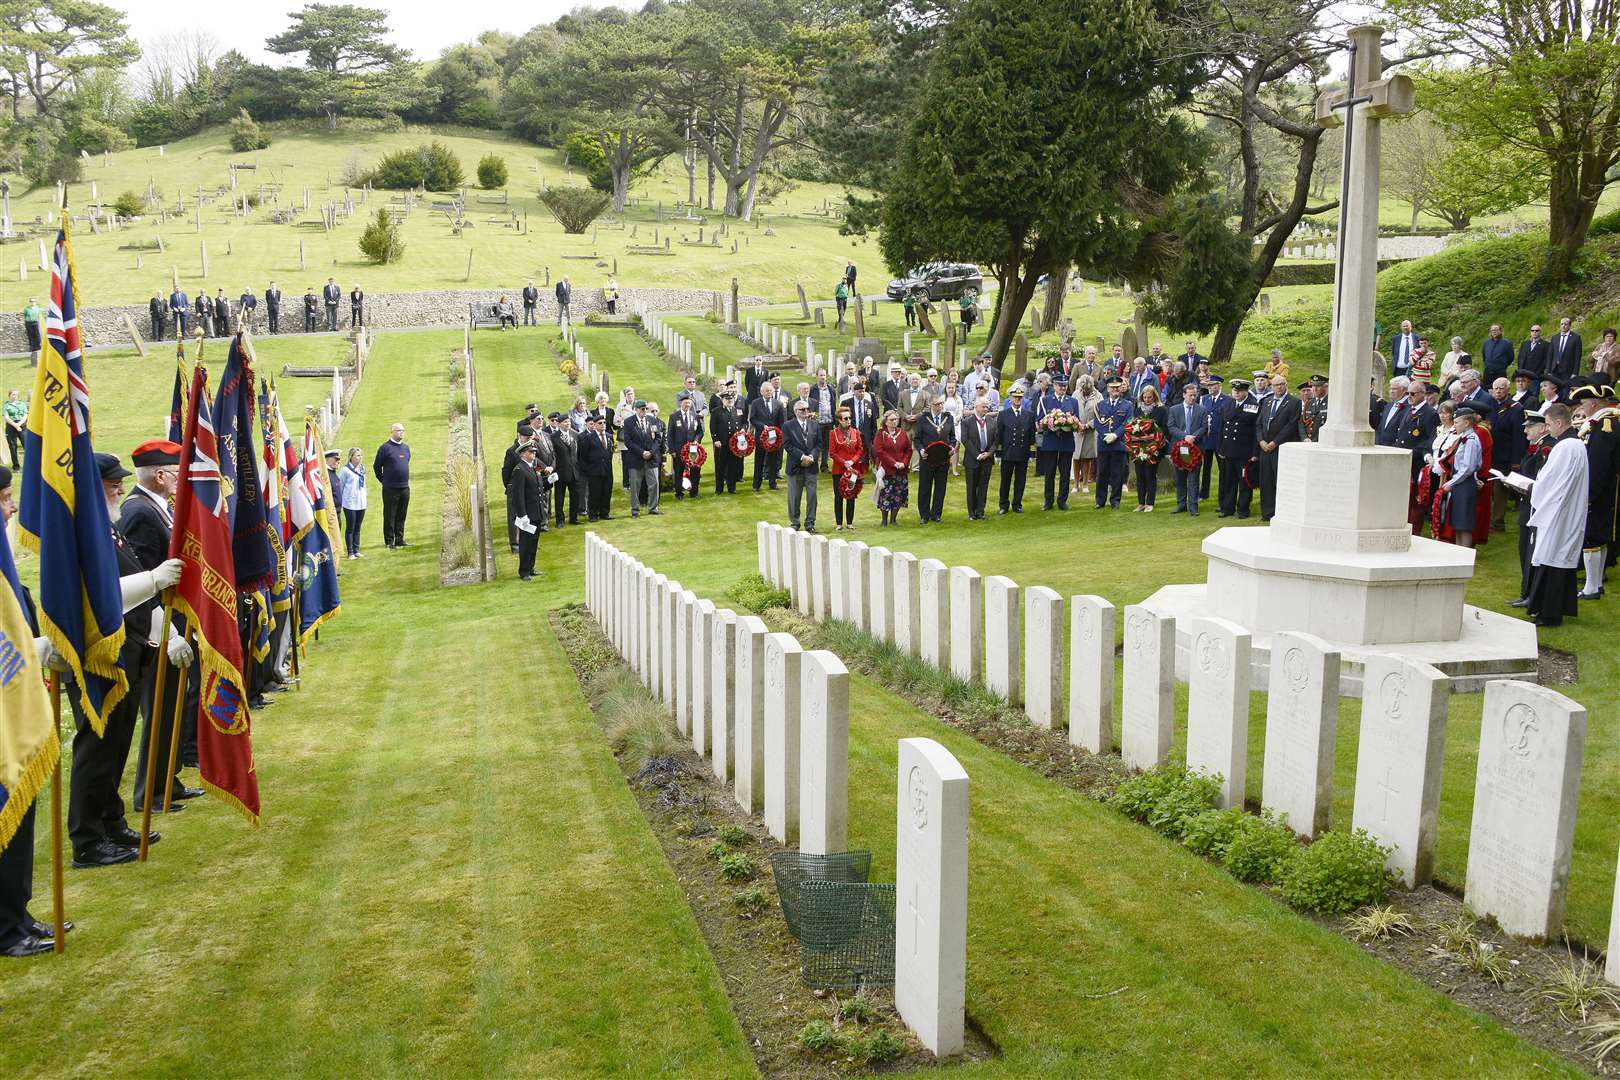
(183, 793)
(103, 853)
(157, 807)
(41, 930)
(28, 945)
(1521, 602)
(128, 837)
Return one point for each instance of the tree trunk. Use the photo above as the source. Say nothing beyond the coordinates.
(1414, 213)
(710, 203)
(1226, 335)
(753, 191)
(1569, 216)
(1014, 302)
(1057, 288)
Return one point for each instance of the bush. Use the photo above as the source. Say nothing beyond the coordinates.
(1260, 849)
(737, 866)
(1167, 798)
(1210, 833)
(752, 900)
(733, 835)
(433, 166)
(818, 1036)
(756, 594)
(1338, 873)
(246, 135)
(1604, 225)
(129, 204)
(575, 208)
(875, 1047)
(491, 171)
(383, 241)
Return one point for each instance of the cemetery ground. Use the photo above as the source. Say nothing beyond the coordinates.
(453, 876)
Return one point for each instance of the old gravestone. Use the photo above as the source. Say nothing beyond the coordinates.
(905, 627)
(1218, 677)
(804, 304)
(803, 600)
(855, 605)
(838, 579)
(1020, 353)
(1003, 639)
(723, 692)
(659, 641)
(685, 612)
(823, 753)
(1043, 655)
(1129, 343)
(819, 572)
(934, 613)
(1398, 761)
(1091, 673)
(670, 603)
(931, 878)
(702, 654)
(748, 749)
(879, 594)
(1532, 743)
(1148, 703)
(1302, 721)
(782, 700)
(967, 624)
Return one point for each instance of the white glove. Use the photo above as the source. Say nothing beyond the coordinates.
(180, 654)
(526, 525)
(48, 656)
(167, 574)
(1110, 437)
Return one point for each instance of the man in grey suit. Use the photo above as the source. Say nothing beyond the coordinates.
(802, 442)
(1187, 420)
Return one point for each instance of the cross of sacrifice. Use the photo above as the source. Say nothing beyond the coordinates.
(1367, 99)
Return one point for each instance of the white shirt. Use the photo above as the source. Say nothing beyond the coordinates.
(1558, 506)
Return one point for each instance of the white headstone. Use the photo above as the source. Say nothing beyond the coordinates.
(934, 613)
(823, 753)
(1218, 678)
(1148, 702)
(855, 603)
(785, 542)
(803, 600)
(1003, 639)
(1043, 655)
(723, 692)
(649, 626)
(879, 594)
(685, 611)
(819, 575)
(773, 555)
(702, 653)
(668, 604)
(907, 604)
(933, 353)
(1302, 723)
(838, 579)
(967, 624)
(1398, 761)
(1091, 674)
(1532, 744)
(931, 879)
(762, 540)
(782, 678)
(748, 751)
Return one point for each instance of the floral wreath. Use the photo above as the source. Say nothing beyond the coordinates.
(1060, 421)
(742, 443)
(770, 439)
(1251, 474)
(1186, 456)
(1143, 440)
(937, 452)
(850, 483)
(693, 455)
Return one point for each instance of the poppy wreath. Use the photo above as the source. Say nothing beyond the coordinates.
(693, 455)
(770, 439)
(1143, 440)
(937, 453)
(742, 443)
(1251, 474)
(850, 483)
(1186, 456)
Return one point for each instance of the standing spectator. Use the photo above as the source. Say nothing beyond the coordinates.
(909, 306)
(596, 465)
(1449, 362)
(1605, 359)
(1459, 467)
(1566, 353)
(1279, 424)
(1496, 355)
(159, 312)
(1401, 347)
(247, 306)
(802, 441)
(16, 414)
(205, 315)
(841, 299)
(767, 411)
(640, 459)
(1535, 354)
(1558, 503)
(686, 426)
(1113, 413)
(1187, 421)
(935, 440)
(1150, 407)
(331, 294)
(526, 505)
(531, 303)
(311, 307)
(980, 435)
(893, 457)
(565, 293)
(1507, 446)
(1217, 406)
(392, 467)
(569, 486)
(179, 308)
(970, 311)
(1016, 441)
(351, 496)
(357, 308)
(1084, 467)
(863, 414)
(272, 307)
(222, 313)
(1055, 447)
(849, 274)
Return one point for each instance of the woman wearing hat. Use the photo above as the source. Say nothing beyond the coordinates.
(1086, 399)
(1430, 479)
(1459, 467)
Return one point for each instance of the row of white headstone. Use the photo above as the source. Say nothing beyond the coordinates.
(677, 344)
(775, 717)
(988, 631)
(774, 339)
(582, 359)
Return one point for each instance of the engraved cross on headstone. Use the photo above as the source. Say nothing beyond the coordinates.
(1388, 789)
(916, 922)
(1361, 106)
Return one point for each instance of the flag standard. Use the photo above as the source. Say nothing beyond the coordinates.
(62, 515)
(177, 400)
(207, 595)
(254, 555)
(28, 745)
(317, 573)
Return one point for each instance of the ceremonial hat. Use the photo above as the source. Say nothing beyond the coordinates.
(1218, 381)
(526, 448)
(1581, 393)
(156, 452)
(1113, 380)
(1536, 415)
(1237, 384)
(5, 477)
(110, 467)
(532, 407)
(1528, 376)
(554, 416)
(1319, 380)
(525, 429)
(334, 453)
(640, 404)
(1464, 410)
(1062, 380)
(1015, 390)
(1259, 374)
(1303, 383)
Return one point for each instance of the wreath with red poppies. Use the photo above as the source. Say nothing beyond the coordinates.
(1144, 441)
(850, 483)
(693, 455)
(742, 443)
(937, 453)
(770, 439)
(1186, 456)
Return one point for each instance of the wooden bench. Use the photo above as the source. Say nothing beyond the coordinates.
(483, 314)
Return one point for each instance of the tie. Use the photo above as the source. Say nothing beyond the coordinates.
(604, 440)
(983, 436)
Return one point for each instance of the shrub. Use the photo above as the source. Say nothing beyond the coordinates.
(491, 171)
(1339, 872)
(1576, 988)
(756, 594)
(433, 166)
(733, 835)
(460, 474)
(463, 549)
(246, 135)
(1260, 850)
(575, 208)
(1210, 833)
(1378, 923)
(752, 900)
(818, 1036)
(383, 242)
(858, 1009)
(129, 204)
(737, 866)
(1603, 1037)
(875, 1047)
(1167, 798)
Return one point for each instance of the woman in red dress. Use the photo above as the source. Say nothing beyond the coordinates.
(892, 450)
(845, 456)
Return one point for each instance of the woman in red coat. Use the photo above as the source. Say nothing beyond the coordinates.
(892, 451)
(846, 456)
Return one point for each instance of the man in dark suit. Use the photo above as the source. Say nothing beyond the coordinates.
(766, 411)
(1192, 358)
(247, 306)
(863, 416)
(565, 293)
(1235, 450)
(1279, 424)
(801, 440)
(935, 425)
(727, 416)
(1401, 348)
(1535, 354)
(1566, 352)
(686, 426)
(1389, 417)
(1216, 407)
(641, 465)
(596, 465)
(311, 308)
(222, 314)
(569, 485)
(526, 504)
(1015, 442)
(531, 303)
(1496, 355)
(1508, 445)
(979, 436)
(357, 307)
(509, 464)
(272, 307)
(179, 308)
(754, 378)
(1475, 396)
(1187, 419)
(159, 312)
(331, 296)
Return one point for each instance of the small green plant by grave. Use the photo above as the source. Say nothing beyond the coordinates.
(733, 835)
(1167, 798)
(1457, 936)
(718, 850)
(1378, 923)
(1260, 849)
(875, 1047)
(859, 1008)
(575, 208)
(1603, 1037)
(1483, 958)
(129, 204)
(737, 866)
(752, 900)
(756, 594)
(1339, 872)
(1210, 833)
(1576, 988)
(818, 1037)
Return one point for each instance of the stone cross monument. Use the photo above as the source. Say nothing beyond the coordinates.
(5, 207)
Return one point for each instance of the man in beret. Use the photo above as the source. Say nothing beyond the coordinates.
(727, 416)
(569, 486)
(639, 435)
(525, 501)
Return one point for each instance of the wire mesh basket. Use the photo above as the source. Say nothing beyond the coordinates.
(792, 869)
(846, 937)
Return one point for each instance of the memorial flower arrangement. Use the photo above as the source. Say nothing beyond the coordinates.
(693, 455)
(1060, 423)
(742, 443)
(850, 483)
(770, 439)
(1144, 441)
(1186, 455)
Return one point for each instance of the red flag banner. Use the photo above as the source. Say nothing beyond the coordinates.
(207, 595)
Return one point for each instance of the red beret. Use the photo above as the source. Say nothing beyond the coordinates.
(155, 452)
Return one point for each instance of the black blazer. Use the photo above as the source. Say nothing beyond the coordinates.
(801, 441)
(1534, 357)
(970, 439)
(932, 429)
(525, 495)
(1566, 361)
(594, 458)
(331, 294)
(868, 424)
(763, 414)
(753, 380)
(531, 296)
(684, 428)
(565, 444)
(1284, 426)
(272, 299)
(142, 524)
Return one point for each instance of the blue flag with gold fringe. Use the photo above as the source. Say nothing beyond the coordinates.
(317, 572)
(62, 515)
(28, 746)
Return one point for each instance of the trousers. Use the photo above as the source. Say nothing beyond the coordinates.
(931, 490)
(1110, 479)
(801, 488)
(396, 502)
(1014, 474)
(1235, 498)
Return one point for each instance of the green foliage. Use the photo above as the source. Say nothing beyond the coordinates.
(737, 866)
(1603, 1037)
(818, 1036)
(383, 241)
(246, 135)
(1209, 282)
(583, 150)
(575, 208)
(875, 1047)
(1463, 284)
(1260, 849)
(1378, 923)
(1210, 833)
(1576, 988)
(1338, 872)
(1167, 798)
(129, 204)
(1456, 936)
(752, 900)
(756, 594)
(433, 166)
(350, 67)
(491, 171)
(1312, 273)
(858, 1008)
(733, 835)
(1605, 224)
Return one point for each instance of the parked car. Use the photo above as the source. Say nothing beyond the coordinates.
(939, 281)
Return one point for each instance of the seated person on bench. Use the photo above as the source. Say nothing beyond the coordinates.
(503, 311)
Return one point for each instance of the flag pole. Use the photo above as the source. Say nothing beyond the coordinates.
(154, 721)
(174, 732)
(58, 912)
(292, 613)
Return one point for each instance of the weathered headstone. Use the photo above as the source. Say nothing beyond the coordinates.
(860, 315)
(1091, 673)
(762, 542)
(804, 304)
(659, 641)
(934, 613)
(838, 579)
(685, 611)
(1003, 639)
(1043, 655)
(702, 653)
(1020, 353)
(803, 600)
(1148, 702)
(967, 624)
(879, 594)
(1398, 761)
(723, 692)
(931, 879)
(1302, 723)
(748, 753)
(856, 604)
(819, 568)
(823, 753)
(783, 658)
(1218, 678)
(904, 627)
(1532, 744)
